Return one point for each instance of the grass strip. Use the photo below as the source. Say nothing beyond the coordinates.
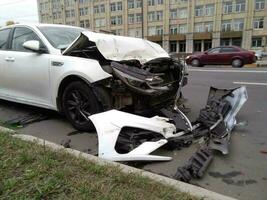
(30, 171)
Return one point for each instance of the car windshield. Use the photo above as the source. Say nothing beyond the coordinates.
(60, 37)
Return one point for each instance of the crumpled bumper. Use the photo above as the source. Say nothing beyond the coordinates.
(145, 135)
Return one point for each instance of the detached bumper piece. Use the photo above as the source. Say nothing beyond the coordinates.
(196, 166)
(128, 137)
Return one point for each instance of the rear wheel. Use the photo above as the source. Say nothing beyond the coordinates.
(195, 63)
(237, 63)
(79, 102)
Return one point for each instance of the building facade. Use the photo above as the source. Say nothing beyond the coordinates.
(178, 25)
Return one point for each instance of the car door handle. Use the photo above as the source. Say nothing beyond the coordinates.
(10, 59)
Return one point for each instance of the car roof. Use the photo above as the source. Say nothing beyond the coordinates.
(36, 25)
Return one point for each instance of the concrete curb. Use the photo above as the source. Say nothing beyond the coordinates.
(6, 130)
(180, 186)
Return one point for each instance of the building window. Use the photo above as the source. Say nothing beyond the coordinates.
(225, 42)
(238, 24)
(130, 4)
(102, 8)
(85, 24)
(159, 30)
(197, 45)
(237, 42)
(199, 11)
(155, 16)
(207, 44)
(173, 14)
(131, 19)
(117, 32)
(138, 3)
(138, 18)
(151, 2)
(256, 42)
(173, 30)
(116, 20)
(183, 28)
(259, 4)
(208, 26)
(83, 11)
(182, 46)
(135, 32)
(113, 7)
(173, 46)
(209, 10)
(96, 9)
(182, 13)
(100, 22)
(228, 7)
(258, 23)
(226, 25)
(240, 6)
(155, 30)
(119, 5)
(155, 2)
(199, 27)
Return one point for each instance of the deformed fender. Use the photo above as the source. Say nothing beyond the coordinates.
(109, 124)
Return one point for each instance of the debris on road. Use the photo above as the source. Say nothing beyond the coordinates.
(196, 166)
(26, 119)
(127, 137)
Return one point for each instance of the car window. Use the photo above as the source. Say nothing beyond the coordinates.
(228, 50)
(215, 50)
(3, 38)
(60, 37)
(22, 35)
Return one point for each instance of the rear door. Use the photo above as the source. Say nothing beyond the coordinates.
(4, 34)
(27, 72)
(227, 53)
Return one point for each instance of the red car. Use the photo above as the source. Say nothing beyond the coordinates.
(225, 55)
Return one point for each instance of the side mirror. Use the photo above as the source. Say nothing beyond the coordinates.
(34, 46)
(205, 52)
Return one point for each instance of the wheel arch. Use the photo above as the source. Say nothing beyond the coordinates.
(63, 84)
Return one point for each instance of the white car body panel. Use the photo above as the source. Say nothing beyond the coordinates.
(115, 120)
(113, 47)
(31, 79)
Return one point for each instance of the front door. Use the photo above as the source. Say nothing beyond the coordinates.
(4, 34)
(212, 56)
(27, 72)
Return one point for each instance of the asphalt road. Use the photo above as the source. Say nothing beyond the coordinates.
(241, 174)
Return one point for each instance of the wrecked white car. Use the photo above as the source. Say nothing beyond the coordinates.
(80, 73)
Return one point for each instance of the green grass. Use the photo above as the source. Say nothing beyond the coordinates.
(30, 171)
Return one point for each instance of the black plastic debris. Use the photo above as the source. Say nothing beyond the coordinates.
(27, 119)
(196, 166)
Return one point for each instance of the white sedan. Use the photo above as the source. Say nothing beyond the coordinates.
(79, 72)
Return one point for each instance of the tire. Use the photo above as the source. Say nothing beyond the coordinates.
(79, 102)
(195, 63)
(237, 63)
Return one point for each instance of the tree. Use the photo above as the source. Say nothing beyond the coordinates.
(10, 23)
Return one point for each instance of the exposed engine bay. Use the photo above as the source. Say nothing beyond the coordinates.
(136, 85)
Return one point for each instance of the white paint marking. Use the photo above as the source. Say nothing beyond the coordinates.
(229, 70)
(250, 83)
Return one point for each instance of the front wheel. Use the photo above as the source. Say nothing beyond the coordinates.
(79, 102)
(237, 63)
(195, 63)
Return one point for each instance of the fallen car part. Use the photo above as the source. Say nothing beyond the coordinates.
(114, 121)
(195, 166)
(27, 119)
(219, 115)
(128, 137)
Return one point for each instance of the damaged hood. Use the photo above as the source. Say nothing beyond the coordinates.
(119, 48)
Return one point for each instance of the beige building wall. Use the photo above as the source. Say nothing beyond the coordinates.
(196, 26)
